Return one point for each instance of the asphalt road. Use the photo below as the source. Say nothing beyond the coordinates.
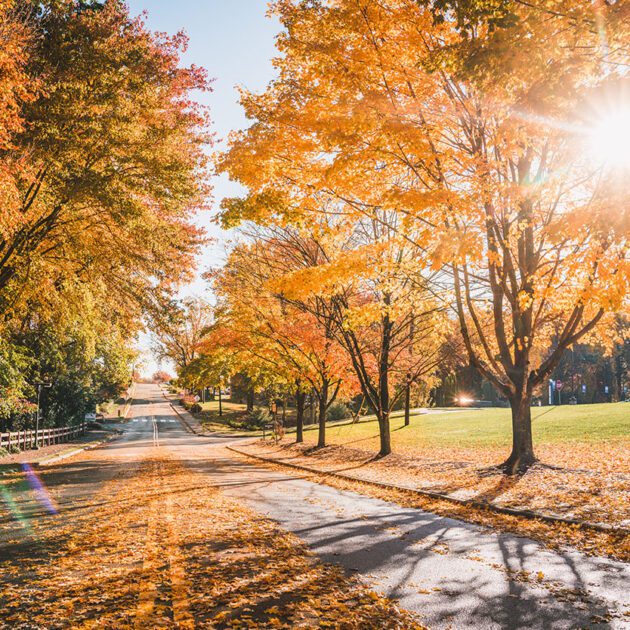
(454, 574)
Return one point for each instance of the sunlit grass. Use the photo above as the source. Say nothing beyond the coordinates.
(492, 427)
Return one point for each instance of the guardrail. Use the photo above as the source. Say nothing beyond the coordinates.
(27, 440)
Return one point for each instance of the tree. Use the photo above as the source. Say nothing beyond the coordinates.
(111, 157)
(16, 89)
(102, 166)
(272, 334)
(481, 139)
(212, 368)
(361, 292)
(161, 377)
(179, 330)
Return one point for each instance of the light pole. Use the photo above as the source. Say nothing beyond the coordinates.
(39, 393)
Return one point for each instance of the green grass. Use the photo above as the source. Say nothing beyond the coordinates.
(492, 427)
(210, 413)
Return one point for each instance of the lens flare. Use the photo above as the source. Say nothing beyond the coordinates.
(14, 509)
(37, 486)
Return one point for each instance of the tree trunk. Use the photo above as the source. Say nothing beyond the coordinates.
(250, 401)
(407, 403)
(383, 386)
(385, 434)
(220, 403)
(522, 456)
(323, 406)
(299, 402)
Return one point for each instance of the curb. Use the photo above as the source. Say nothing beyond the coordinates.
(183, 420)
(66, 454)
(529, 514)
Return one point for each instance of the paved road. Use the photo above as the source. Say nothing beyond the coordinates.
(454, 574)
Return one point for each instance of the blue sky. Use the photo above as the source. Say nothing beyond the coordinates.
(234, 41)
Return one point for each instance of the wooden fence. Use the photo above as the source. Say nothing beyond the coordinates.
(26, 440)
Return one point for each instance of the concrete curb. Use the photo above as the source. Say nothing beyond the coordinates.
(528, 514)
(53, 459)
(183, 420)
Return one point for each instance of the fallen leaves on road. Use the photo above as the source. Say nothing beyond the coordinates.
(589, 495)
(159, 547)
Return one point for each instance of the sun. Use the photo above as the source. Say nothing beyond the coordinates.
(609, 138)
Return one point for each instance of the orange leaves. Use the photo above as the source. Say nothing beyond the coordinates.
(105, 167)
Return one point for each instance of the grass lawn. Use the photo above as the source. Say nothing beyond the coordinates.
(211, 419)
(490, 427)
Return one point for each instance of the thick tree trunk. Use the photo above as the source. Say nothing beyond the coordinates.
(407, 403)
(299, 402)
(323, 406)
(522, 456)
(220, 403)
(385, 434)
(250, 401)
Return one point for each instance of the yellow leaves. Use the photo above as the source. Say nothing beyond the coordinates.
(329, 277)
(590, 484)
(456, 246)
(215, 560)
(525, 300)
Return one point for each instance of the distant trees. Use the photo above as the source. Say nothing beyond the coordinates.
(179, 329)
(161, 377)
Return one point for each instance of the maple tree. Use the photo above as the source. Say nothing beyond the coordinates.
(179, 329)
(479, 135)
(111, 158)
(275, 334)
(102, 165)
(364, 290)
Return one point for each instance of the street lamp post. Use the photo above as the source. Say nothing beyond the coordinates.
(39, 393)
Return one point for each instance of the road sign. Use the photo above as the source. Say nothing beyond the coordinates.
(559, 385)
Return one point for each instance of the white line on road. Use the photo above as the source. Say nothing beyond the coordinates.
(156, 432)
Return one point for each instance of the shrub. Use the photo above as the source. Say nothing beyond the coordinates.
(3, 451)
(338, 411)
(260, 416)
(253, 421)
(188, 401)
(106, 407)
(196, 408)
(14, 449)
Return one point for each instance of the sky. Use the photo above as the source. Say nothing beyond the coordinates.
(235, 41)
